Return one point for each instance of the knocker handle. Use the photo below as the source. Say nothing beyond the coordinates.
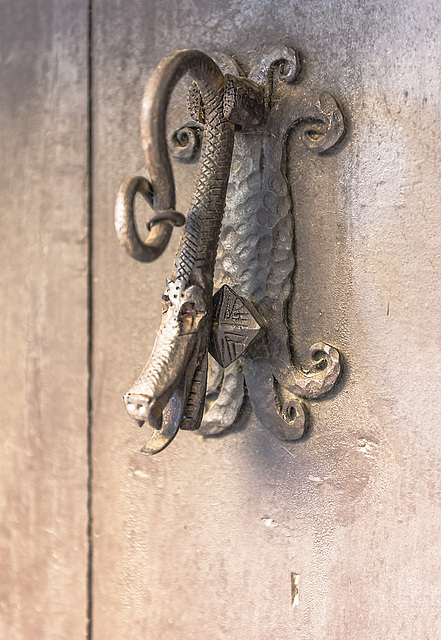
(160, 191)
(242, 105)
(169, 393)
(159, 226)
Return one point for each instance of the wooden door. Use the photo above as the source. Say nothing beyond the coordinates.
(44, 311)
(241, 536)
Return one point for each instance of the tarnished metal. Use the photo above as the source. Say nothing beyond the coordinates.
(170, 392)
(255, 256)
(235, 326)
(186, 141)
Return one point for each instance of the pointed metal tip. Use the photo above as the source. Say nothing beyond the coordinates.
(146, 451)
(159, 440)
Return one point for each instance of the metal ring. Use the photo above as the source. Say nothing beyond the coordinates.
(177, 219)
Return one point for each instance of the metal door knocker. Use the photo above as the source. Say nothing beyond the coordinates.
(237, 240)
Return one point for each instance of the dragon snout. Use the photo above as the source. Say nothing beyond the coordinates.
(152, 410)
(143, 409)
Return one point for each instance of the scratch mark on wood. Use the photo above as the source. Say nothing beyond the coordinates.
(295, 580)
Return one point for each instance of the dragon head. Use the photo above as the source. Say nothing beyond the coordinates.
(166, 380)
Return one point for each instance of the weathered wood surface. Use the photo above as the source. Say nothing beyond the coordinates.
(43, 335)
(200, 542)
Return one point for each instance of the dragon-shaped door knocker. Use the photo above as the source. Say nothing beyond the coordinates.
(237, 240)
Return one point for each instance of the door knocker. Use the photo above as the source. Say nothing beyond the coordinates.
(241, 202)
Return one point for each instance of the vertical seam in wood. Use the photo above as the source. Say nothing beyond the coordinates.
(90, 323)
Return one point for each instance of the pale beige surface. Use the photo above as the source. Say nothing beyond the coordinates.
(43, 328)
(182, 545)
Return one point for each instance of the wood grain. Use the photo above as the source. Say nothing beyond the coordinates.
(43, 334)
(202, 541)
